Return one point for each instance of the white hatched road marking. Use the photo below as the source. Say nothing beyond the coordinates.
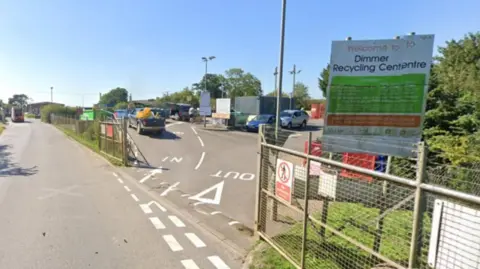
(217, 262)
(127, 188)
(189, 264)
(157, 223)
(197, 242)
(134, 197)
(172, 243)
(176, 221)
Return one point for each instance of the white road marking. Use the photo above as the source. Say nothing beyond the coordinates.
(200, 161)
(175, 123)
(201, 141)
(169, 189)
(176, 221)
(152, 173)
(172, 243)
(189, 264)
(120, 180)
(218, 194)
(215, 213)
(198, 203)
(127, 188)
(185, 195)
(157, 223)
(134, 197)
(217, 262)
(233, 222)
(114, 174)
(147, 210)
(195, 131)
(197, 242)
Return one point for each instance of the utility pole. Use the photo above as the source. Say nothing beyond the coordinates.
(206, 59)
(280, 67)
(293, 72)
(51, 94)
(275, 73)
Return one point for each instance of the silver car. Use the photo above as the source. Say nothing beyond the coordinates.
(294, 118)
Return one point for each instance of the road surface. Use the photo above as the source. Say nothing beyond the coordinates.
(62, 206)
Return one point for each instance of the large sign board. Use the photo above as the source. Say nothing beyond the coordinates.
(284, 180)
(222, 108)
(205, 108)
(376, 95)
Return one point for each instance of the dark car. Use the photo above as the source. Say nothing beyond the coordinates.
(180, 112)
(252, 126)
(153, 124)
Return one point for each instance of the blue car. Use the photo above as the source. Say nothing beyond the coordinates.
(252, 126)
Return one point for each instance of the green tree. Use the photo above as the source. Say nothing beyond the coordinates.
(214, 81)
(20, 100)
(274, 93)
(114, 96)
(323, 80)
(239, 83)
(300, 93)
(186, 96)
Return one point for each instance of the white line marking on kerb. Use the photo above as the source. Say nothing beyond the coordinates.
(217, 262)
(201, 141)
(195, 131)
(115, 174)
(157, 223)
(200, 161)
(197, 242)
(169, 189)
(127, 188)
(233, 222)
(176, 221)
(120, 180)
(134, 197)
(172, 243)
(215, 213)
(189, 264)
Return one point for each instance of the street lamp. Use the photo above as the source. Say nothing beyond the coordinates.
(280, 66)
(222, 89)
(293, 72)
(206, 59)
(51, 94)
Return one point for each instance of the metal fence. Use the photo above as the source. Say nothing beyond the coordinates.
(326, 212)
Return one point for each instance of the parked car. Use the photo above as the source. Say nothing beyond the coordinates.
(155, 123)
(120, 114)
(294, 118)
(180, 112)
(252, 126)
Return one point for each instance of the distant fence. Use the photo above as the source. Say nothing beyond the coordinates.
(328, 212)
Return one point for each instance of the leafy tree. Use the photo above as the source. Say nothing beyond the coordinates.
(214, 81)
(239, 83)
(323, 80)
(300, 93)
(114, 96)
(20, 100)
(274, 93)
(186, 96)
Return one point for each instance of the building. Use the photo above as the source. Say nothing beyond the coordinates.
(34, 108)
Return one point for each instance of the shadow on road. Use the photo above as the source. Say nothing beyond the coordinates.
(166, 135)
(10, 169)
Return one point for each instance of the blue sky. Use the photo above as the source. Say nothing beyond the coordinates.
(85, 47)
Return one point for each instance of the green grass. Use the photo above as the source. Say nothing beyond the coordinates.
(333, 252)
(29, 116)
(2, 127)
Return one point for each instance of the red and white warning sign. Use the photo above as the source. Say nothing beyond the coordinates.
(284, 180)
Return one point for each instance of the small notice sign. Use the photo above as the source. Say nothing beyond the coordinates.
(284, 180)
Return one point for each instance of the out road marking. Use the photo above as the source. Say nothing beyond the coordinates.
(127, 188)
(195, 131)
(189, 264)
(200, 161)
(201, 141)
(169, 189)
(217, 262)
(157, 223)
(197, 242)
(176, 221)
(147, 210)
(134, 197)
(172, 243)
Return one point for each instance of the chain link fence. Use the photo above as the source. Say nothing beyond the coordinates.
(343, 210)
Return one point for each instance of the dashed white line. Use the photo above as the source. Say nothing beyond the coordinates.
(217, 262)
(197, 242)
(127, 188)
(176, 221)
(146, 209)
(157, 223)
(172, 243)
(115, 174)
(215, 213)
(201, 141)
(233, 222)
(195, 131)
(134, 197)
(200, 161)
(189, 264)
(120, 180)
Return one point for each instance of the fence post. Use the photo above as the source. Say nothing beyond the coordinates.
(124, 140)
(260, 202)
(419, 209)
(99, 135)
(305, 207)
(382, 206)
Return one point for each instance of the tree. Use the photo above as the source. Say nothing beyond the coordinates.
(214, 81)
(121, 105)
(323, 80)
(274, 93)
(20, 100)
(239, 83)
(114, 96)
(186, 96)
(300, 93)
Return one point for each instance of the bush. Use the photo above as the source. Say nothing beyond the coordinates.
(47, 110)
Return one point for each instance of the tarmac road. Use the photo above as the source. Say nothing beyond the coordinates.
(62, 206)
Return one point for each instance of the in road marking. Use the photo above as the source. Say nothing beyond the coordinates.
(197, 242)
(189, 264)
(169, 189)
(176, 221)
(195, 131)
(134, 197)
(157, 223)
(201, 141)
(233, 222)
(120, 180)
(115, 174)
(172, 243)
(200, 161)
(217, 262)
(127, 188)
(215, 213)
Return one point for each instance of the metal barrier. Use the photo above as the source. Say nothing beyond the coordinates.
(330, 214)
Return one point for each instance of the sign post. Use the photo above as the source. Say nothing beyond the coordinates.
(284, 180)
(205, 108)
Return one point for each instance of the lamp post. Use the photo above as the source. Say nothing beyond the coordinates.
(206, 59)
(51, 94)
(293, 72)
(280, 67)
